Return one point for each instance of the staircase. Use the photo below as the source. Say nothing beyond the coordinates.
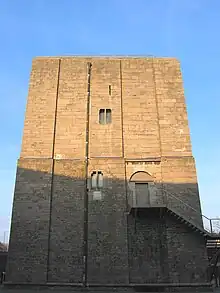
(183, 212)
(193, 218)
(213, 246)
(213, 251)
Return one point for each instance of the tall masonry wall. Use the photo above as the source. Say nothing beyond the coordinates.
(62, 231)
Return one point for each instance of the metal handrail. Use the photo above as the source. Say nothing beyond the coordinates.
(197, 212)
(177, 205)
(172, 195)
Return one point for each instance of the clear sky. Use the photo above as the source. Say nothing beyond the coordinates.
(186, 29)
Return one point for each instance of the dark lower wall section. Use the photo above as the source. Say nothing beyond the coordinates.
(67, 216)
(48, 230)
(107, 227)
(163, 249)
(28, 247)
(147, 247)
(187, 256)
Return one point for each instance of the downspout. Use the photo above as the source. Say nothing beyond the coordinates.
(52, 171)
(125, 169)
(85, 256)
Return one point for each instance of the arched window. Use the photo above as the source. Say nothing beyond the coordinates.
(100, 179)
(97, 180)
(97, 185)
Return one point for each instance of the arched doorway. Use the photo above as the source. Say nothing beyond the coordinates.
(141, 184)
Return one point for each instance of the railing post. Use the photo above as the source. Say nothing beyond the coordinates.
(211, 225)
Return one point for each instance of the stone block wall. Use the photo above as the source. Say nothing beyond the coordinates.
(27, 259)
(164, 250)
(172, 114)
(140, 114)
(186, 253)
(65, 252)
(107, 225)
(148, 248)
(105, 140)
(181, 187)
(70, 130)
(62, 232)
(39, 122)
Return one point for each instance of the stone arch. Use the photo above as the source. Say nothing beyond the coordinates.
(141, 176)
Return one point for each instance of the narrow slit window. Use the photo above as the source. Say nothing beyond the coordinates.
(102, 116)
(96, 180)
(110, 90)
(108, 116)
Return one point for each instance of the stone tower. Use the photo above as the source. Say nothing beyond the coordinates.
(106, 190)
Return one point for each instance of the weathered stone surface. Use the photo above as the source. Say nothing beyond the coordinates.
(64, 231)
(40, 112)
(105, 140)
(140, 116)
(67, 220)
(71, 110)
(187, 256)
(173, 122)
(27, 259)
(107, 232)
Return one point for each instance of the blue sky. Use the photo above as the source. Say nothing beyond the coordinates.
(186, 29)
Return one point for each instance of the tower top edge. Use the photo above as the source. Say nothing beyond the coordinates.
(118, 57)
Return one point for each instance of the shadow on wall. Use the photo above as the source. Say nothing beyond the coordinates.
(60, 235)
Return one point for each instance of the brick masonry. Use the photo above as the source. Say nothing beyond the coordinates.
(59, 237)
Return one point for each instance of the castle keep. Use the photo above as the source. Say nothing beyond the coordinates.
(106, 190)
